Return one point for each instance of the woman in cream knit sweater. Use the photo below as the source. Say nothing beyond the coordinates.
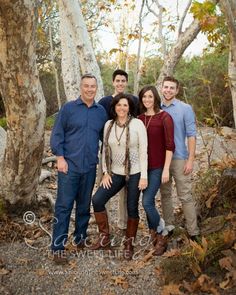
(124, 165)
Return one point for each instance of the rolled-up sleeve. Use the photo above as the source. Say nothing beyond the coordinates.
(169, 133)
(190, 122)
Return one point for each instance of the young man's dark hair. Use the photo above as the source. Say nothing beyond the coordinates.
(171, 79)
(121, 73)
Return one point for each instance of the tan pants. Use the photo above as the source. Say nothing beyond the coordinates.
(183, 186)
(122, 201)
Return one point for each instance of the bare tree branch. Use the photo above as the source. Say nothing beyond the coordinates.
(183, 17)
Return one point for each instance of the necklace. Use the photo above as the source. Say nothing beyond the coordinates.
(149, 121)
(119, 138)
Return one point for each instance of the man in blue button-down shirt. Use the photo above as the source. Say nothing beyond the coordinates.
(183, 158)
(75, 142)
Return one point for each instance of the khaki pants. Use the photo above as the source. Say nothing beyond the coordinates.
(183, 186)
(122, 200)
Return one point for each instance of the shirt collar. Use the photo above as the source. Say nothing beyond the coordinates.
(174, 102)
(79, 101)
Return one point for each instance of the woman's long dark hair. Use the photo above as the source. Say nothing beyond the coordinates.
(157, 100)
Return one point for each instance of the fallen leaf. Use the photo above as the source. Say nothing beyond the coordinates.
(230, 280)
(119, 280)
(73, 264)
(52, 186)
(3, 271)
(226, 263)
(29, 241)
(141, 225)
(41, 272)
(172, 289)
(213, 194)
(195, 268)
(230, 216)
(158, 271)
(148, 256)
(38, 233)
(232, 255)
(171, 253)
(46, 218)
(199, 250)
(229, 236)
(206, 284)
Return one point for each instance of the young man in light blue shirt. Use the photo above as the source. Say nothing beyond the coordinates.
(183, 158)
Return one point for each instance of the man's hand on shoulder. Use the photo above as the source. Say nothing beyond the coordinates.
(62, 165)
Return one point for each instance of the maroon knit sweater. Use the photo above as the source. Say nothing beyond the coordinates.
(160, 131)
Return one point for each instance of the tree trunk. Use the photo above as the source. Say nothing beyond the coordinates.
(82, 43)
(229, 9)
(137, 74)
(71, 71)
(54, 64)
(24, 103)
(184, 40)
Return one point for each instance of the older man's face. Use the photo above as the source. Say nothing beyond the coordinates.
(88, 89)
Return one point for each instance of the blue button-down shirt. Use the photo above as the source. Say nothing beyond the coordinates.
(184, 126)
(76, 134)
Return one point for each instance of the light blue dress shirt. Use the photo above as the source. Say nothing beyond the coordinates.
(184, 126)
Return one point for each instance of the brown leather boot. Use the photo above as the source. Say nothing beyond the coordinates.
(161, 245)
(103, 226)
(131, 231)
(153, 235)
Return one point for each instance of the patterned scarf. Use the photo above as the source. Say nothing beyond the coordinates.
(108, 149)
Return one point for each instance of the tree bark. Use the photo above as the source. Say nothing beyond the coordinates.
(53, 63)
(81, 40)
(229, 9)
(173, 57)
(184, 40)
(137, 74)
(71, 71)
(24, 103)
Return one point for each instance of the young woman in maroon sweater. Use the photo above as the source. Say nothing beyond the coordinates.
(160, 131)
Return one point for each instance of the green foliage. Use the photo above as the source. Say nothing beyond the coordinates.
(150, 71)
(200, 10)
(50, 122)
(211, 22)
(3, 122)
(47, 80)
(205, 77)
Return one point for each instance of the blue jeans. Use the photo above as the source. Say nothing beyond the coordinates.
(154, 182)
(72, 187)
(103, 195)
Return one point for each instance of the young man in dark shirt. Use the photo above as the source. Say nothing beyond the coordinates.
(120, 83)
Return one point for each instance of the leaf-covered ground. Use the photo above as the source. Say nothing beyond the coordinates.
(204, 267)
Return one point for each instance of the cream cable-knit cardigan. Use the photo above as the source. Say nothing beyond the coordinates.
(137, 148)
